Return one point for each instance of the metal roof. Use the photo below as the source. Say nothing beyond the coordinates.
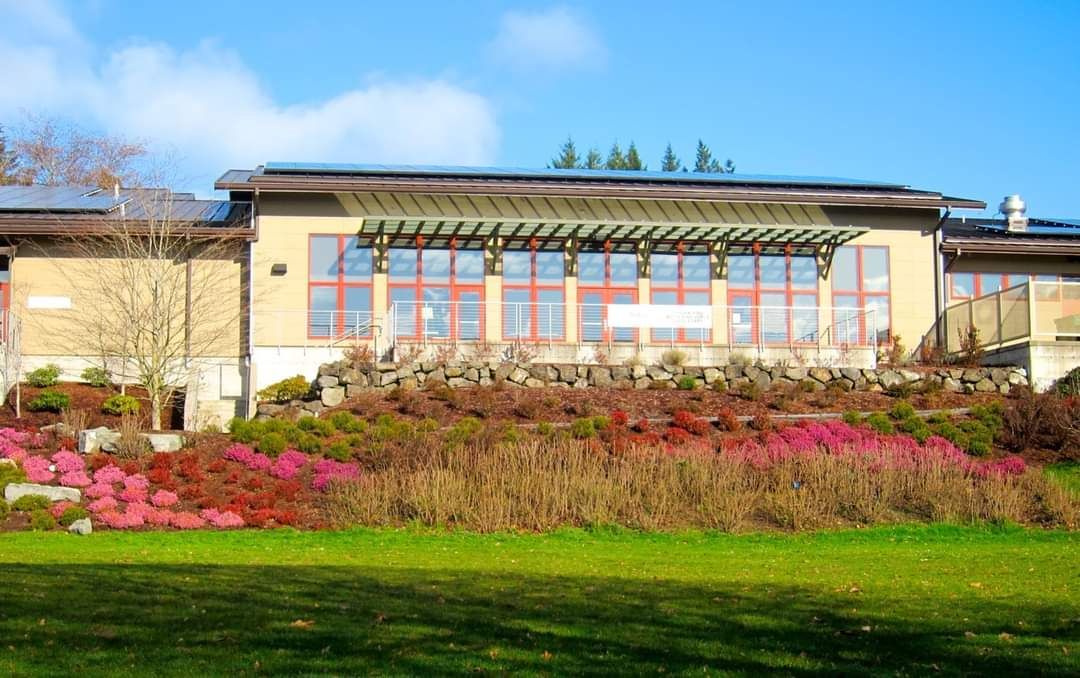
(556, 173)
(1047, 237)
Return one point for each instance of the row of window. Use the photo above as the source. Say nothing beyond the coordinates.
(971, 285)
(438, 291)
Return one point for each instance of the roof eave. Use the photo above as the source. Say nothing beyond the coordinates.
(1010, 247)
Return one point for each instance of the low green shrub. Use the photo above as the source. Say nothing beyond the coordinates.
(49, 401)
(916, 428)
(427, 425)
(546, 429)
(940, 417)
(31, 502)
(98, 377)
(308, 443)
(10, 474)
(346, 422)
(852, 418)
(320, 427)
(719, 386)
(807, 386)
(73, 513)
(979, 437)
(902, 410)
(272, 444)
(293, 388)
(585, 427)
(339, 450)
(686, 383)
(43, 377)
(880, 422)
(989, 416)
(463, 431)
(952, 433)
(42, 521)
(674, 356)
(749, 390)
(120, 404)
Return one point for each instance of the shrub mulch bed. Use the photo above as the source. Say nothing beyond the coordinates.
(88, 399)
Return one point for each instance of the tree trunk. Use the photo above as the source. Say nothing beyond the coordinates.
(155, 410)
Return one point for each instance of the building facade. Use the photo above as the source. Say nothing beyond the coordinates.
(434, 263)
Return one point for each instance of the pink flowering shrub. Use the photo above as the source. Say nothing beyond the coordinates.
(139, 509)
(288, 464)
(136, 482)
(37, 470)
(75, 479)
(98, 490)
(221, 519)
(109, 474)
(328, 470)
(59, 507)
(132, 494)
(256, 461)
(163, 498)
(121, 521)
(183, 520)
(102, 505)
(159, 517)
(68, 462)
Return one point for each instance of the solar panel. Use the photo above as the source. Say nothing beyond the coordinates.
(553, 173)
(55, 199)
(1035, 227)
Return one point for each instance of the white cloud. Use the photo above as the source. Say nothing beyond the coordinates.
(216, 113)
(556, 38)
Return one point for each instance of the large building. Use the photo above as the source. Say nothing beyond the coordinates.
(566, 265)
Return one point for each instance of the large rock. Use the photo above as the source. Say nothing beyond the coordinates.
(165, 442)
(711, 374)
(972, 376)
(15, 490)
(795, 373)
(333, 396)
(270, 409)
(658, 373)
(998, 376)
(910, 376)
(952, 385)
(388, 378)
(763, 380)
(889, 379)
(94, 439)
(350, 375)
(985, 386)
(733, 371)
(822, 374)
(518, 376)
(600, 376)
(504, 370)
(82, 527)
(326, 381)
(1017, 379)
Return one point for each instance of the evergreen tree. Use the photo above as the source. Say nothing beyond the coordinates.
(8, 161)
(593, 160)
(704, 162)
(670, 162)
(568, 157)
(615, 159)
(633, 160)
(729, 166)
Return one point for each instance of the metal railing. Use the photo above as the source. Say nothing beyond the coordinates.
(281, 327)
(1033, 310)
(760, 326)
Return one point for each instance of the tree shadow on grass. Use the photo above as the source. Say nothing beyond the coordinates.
(202, 620)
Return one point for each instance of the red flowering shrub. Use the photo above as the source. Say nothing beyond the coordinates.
(642, 425)
(217, 466)
(160, 476)
(690, 423)
(191, 491)
(259, 517)
(677, 436)
(162, 460)
(100, 460)
(619, 418)
(286, 517)
(288, 489)
(189, 468)
(234, 476)
(131, 468)
(727, 420)
(253, 483)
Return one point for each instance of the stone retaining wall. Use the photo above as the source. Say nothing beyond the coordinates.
(338, 381)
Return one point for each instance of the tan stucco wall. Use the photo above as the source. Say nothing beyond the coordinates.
(285, 222)
(45, 268)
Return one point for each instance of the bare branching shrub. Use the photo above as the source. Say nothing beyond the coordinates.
(74, 420)
(131, 444)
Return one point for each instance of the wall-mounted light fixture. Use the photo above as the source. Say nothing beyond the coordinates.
(279, 269)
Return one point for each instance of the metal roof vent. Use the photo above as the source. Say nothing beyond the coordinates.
(1015, 210)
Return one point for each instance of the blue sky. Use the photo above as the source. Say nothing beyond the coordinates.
(973, 99)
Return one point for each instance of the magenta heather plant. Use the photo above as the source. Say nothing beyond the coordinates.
(132, 494)
(159, 517)
(221, 519)
(37, 470)
(98, 490)
(102, 505)
(75, 479)
(183, 520)
(255, 461)
(68, 462)
(136, 482)
(163, 498)
(288, 464)
(329, 470)
(109, 474)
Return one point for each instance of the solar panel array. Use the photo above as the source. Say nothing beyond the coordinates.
(553, 173)
(1069, 228)
(55, 199)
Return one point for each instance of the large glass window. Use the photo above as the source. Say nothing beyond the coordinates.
(681, 278)
(860, 283)
(970, 285)
(605, 276)
(436, 290)
(339, 286)
(534, 306)
(772, 296)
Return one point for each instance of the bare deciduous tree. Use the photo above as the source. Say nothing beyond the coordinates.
(160, 292)
(54, 152)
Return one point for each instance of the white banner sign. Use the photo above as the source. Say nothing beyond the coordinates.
(657, 315)
(48, 302)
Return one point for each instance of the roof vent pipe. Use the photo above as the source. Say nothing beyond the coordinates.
(1015, 210)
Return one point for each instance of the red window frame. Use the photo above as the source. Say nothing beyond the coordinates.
(607, 291)
(534, 287)
(862, 295)
(1009, 280)
(789, 291)
(453, 287)
(341, 284)
(680, 289)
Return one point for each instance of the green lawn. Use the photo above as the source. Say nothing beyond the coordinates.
(903, 600)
